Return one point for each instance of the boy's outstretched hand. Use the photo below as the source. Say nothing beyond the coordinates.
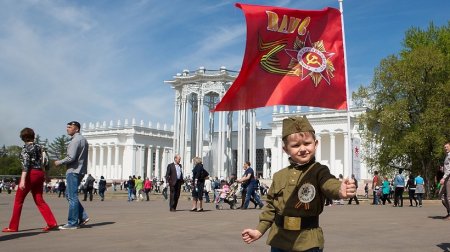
(250, 235)
(348, 189)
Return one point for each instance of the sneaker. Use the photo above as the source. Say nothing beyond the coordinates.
(67, 227)
(84, 222)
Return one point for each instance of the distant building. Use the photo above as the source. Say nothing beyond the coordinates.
(224, 140)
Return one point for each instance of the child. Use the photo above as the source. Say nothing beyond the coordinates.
(297, 194)
(222, 193)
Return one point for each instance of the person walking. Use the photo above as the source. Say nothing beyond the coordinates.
(139, 186)
(249, 175)
(207, 189)
(420, 189)
(445, 184)
(89, 187)
(62, 188)
(76, 164)
(147, 187)
(102, 188)
(399, 183)
(32, 179)
(174, 177)
(354, 197)
(385, 190)
(411, 186)
(130, 188)
(376, 182)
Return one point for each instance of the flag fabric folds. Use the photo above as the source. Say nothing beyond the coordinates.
(292, 57)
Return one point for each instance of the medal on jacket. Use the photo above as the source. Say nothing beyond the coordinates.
(306, 194)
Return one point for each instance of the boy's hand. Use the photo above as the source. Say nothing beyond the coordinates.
(348, 189)
(250, 235)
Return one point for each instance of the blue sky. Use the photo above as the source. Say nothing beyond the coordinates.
(107, 60)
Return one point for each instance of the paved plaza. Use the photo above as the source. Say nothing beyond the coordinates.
(118, 225)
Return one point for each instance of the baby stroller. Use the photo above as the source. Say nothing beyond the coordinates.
(227, 195)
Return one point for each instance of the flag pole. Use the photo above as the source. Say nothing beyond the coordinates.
(350, 147)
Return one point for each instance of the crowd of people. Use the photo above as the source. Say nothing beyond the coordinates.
(392, 190)
(311, 182)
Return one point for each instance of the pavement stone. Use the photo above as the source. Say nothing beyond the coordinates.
(118, 225)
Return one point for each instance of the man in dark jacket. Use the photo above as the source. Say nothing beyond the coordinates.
(89, 186)
(174, 178)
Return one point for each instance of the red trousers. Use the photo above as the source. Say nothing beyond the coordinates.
(34, 182)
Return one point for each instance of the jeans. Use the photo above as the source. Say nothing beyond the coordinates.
(273, 249)
(130, 194)
(251, 192)
(76, 210)
(375, 198)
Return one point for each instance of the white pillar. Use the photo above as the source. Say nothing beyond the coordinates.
(94, 160)
(157, 164)
(319, 148)
(108, 174)
(265, 166)
(333, 153)
(252, 138)
(150, 162)
(141, 161)
(116, 172)
(101, 163)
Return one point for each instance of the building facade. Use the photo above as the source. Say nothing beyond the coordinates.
(224, 140)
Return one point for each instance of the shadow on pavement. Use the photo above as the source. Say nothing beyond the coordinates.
(18, 235)
(444, 246)
(98, 224)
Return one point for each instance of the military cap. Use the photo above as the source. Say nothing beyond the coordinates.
(296, 124)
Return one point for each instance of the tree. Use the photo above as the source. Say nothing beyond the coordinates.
(409, 105)
(58, 148)
(9, 161)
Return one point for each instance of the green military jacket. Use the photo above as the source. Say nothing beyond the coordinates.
(283, 199)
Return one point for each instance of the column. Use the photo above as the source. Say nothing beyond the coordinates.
(332, 153)
(101, 164)
(252, 143)
(150, 162)
(108, 174)
(200, 119)
(319, 148)
(219, 154)
(347, 161)
(116, 163)
(176, 122)
(157, 168)
(265, 166)
(141, 161)
(94, 159)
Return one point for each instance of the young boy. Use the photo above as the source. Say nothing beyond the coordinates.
(297, 194)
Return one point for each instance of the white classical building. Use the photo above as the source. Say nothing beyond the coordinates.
(118, 150)
(225, 140)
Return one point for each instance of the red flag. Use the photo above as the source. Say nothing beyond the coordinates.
(292, 57)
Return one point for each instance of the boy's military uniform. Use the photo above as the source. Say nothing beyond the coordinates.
(296, 199)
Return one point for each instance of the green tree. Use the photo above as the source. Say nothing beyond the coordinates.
(58, 148)
(9, 161)
(409, 105)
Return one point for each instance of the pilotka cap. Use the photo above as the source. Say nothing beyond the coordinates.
(296, 124)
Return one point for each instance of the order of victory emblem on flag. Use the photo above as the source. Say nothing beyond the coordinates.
(292, 57)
